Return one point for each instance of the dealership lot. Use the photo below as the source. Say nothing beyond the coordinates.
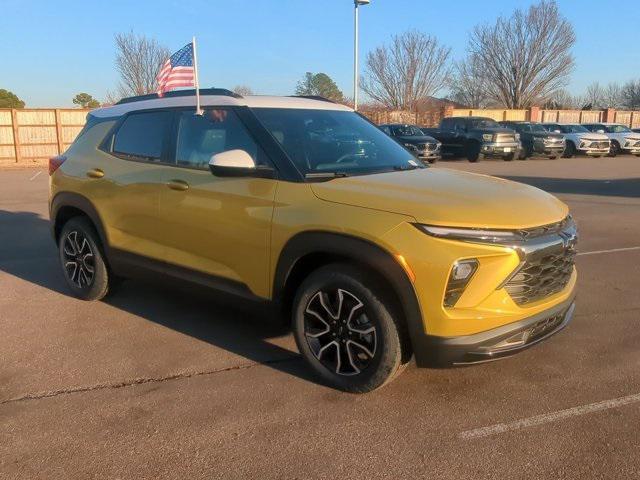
(162, 382)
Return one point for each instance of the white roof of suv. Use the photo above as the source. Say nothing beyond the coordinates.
(257, 101)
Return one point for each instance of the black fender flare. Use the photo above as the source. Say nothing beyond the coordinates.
(79, 202)
(362, 252)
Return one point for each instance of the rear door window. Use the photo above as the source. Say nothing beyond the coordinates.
(143, 135)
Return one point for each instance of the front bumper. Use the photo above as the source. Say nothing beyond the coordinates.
(499, 342)
(429, 154)
(499, 149)
(548, 149)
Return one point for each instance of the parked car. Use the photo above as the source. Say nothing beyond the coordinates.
(423, 146)
(623, 139)
(371, 256)
(580, 140)
(535, 139)
(475, 138)
(636, 130)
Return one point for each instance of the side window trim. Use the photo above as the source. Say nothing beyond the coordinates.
(172, 144)
(108, 144)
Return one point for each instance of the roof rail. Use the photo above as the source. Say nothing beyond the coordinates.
(313, 97)
(181, 93)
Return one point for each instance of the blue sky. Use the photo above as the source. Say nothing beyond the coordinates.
(52, 50)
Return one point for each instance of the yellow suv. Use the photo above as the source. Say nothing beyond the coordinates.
(373, 257)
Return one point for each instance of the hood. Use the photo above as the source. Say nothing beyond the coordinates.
(447, 197)
(414, 139)
(547, 135)
(494, 130)
(590, 136)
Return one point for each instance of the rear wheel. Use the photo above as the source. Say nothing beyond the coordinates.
(472, 151)
(82, 260)
(345, 330)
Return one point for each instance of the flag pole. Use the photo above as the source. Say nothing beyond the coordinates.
(195, 74)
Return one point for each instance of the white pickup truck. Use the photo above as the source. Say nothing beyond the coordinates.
(623, 139)
(581, 140)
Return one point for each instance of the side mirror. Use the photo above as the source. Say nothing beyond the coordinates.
(557, 131)
(237, 163)
(600, 131)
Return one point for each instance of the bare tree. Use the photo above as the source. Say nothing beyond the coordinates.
(631, 95)
(563, 100)
(243, 90)
(413, 66)
(612, 96)
(138, 60)
(526, 57)
(468, 84)
(593, 97)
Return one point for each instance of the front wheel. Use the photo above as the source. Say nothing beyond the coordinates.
(345, 330)
(508, 158)
(82, 260)
(569, 150)
(614, 149)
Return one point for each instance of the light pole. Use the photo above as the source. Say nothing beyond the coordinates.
(356, 4)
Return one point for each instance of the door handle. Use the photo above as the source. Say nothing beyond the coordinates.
(179, 185)
(95, 173)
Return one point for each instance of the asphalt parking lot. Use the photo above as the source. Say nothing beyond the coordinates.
(161, 383)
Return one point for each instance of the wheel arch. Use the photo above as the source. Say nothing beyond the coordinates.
(66, 205)
(308, 251)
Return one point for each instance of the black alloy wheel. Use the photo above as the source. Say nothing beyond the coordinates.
(339, 332)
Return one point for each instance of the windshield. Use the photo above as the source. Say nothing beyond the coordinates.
(484, 123)
(616, 128)
(573, 129)
(536, 127)
(407, 131)
(325, 141)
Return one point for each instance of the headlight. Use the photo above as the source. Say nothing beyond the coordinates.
(410, 146)
(501, 237)
(517, 136)
(487, 137)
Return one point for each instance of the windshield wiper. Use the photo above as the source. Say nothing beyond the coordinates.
(325, 175)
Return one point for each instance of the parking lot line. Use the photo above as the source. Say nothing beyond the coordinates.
(612, 250)
(549, 417)
(34, 177)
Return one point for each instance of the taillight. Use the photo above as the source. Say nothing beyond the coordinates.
(55, 162)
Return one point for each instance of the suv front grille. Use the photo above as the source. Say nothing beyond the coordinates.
(547, 257)
(505, 138)
(542, 277)
(599, 145)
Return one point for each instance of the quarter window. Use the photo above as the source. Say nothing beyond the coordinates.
(142, 135)
(217, 130)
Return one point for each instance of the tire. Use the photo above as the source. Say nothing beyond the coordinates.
(472, 152)
(615, 149)
(82, 260)
(524, 153)
(509, 158)
(569, 150)
(552, 157)
(354, 357)
(432, 160)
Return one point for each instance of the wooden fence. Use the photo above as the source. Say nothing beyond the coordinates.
(32, 135)
(628, 118)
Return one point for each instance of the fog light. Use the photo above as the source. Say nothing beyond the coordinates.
(460, 275)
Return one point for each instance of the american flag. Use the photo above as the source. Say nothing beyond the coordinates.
(177, 71)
